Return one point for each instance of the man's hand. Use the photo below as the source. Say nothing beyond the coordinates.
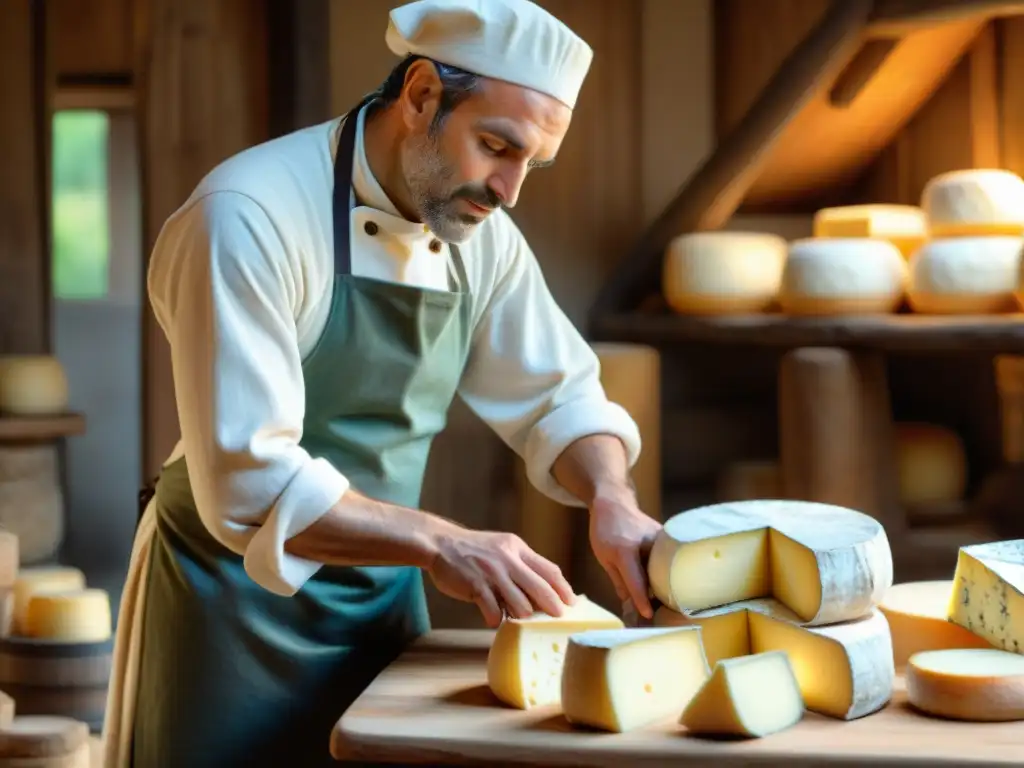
(497, 571)
(621, 536)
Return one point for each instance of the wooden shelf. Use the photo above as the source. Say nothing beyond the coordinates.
(16, 429)
(888, 333)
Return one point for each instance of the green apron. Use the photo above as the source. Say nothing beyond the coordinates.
(234, 675)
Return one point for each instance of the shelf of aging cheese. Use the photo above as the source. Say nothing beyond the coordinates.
(34, 400)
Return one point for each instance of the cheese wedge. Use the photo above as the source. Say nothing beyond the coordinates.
(977, 202)
(987, 599)
(620, 680)
(724, 630)
(79, 616)
(982, 685)
(40, 580)
(916, 612)
(965, 276)
(752, 696)
(905, 226)
(825, 563)
(524, 664)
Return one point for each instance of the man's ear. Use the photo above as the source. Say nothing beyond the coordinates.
(421, 95)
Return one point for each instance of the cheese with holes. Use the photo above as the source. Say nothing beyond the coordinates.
(524, 664)
(843, 276)
(932, 463)
(750, 481)
(844, 670)
(80, 616)
(977, 202)
(982, 685)
(905, 226)
(733, 702)
(826, 563)
(620, 680)
(987, 597)
(32, 385)
(965, 275)
(711, 273)
(42, 580)
(916, 612)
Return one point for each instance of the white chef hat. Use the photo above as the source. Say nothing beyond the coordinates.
(511, 40)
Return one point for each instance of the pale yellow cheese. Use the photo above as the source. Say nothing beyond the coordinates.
(524, 664)
(823, 562)
(32, 385)
(40, 580)
(975, 202)
(724, 630)
(750, 481)
(982, 685)
(752, 696)
(916, 612)
(712, 273)
(9, 559)
(965, 275)
(620, 680)
(905, 226)
(987, 597)
(842, 276)
(932, 463)
(79, 616)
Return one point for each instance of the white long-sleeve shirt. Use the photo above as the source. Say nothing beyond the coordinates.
(241, 280)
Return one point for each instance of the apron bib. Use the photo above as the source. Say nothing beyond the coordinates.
(233, 675)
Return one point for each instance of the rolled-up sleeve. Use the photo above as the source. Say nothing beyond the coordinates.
(533, 378)
(226, 290)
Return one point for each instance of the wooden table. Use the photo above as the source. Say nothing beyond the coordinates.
(433, 706)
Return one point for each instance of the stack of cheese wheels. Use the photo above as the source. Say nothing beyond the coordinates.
(717, 273)
(802, 578)
(905, 226)
(843, 276)
(32, 385)
(972, 264)
(932, 465)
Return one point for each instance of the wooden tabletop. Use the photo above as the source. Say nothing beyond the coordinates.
(433, 706)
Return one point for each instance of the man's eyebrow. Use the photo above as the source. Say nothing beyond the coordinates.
(513, 140)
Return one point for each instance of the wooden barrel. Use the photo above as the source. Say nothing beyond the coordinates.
(56, 678)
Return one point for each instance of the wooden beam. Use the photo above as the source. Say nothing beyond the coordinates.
(897, 17)
(859, 71)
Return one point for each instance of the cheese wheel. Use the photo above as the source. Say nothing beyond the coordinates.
(524, 663)
(733, 702)
(79, 616)
(724, 630)
(9, 559)
(619, 680)
(916, 612)
(932, 463)
(967, 275)
(988, 594)
(824, 562)
(842, 276)
(38, 736)
(905, 226)
(750, 481)
(32, 385)
(981, 685)
(40, 580)
(976, 202)
(714, 273)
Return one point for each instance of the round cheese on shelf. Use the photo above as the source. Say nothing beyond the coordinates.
(905, 226)
(980, 685)
(78, 616)
(42, 580)
(965, 275)
(32, 385)
(713, 273)
(932, 463)
(842, 276)
(972, 202)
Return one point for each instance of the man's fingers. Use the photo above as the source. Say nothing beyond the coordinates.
(517, 603)
(537, 589)
(488, 605)
(613, 573)
(636, 583)
(551, 574)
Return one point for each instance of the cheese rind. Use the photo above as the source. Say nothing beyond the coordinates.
(620, 680)
(988, 598)
(966, 275)
(710, 273)
(981, 685)
(79, 616)
(825, 563)
(932, 463)
(735, 700)
(524, 663)
(41, 580)
(905, 226)
(976, 202)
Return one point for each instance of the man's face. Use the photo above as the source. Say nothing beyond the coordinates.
(477, 159)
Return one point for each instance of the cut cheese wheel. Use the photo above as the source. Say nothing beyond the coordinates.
(79, 616)
(843, 276)
(916, 612)
(981, 685)
(987, 597)
(932, 463)
(620, 680)
(6, 710)
(825, 563)
(32, 385)
(844, 670)
(37, 736)
(750, 481)
(712, 273)
(977, 202)
(524, 664)
(735, 700)
(967, 275)
(9, 559)
(40, 580)
(724, 630)
(905, 226)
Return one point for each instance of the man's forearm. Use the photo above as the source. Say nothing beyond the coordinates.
(594, 467)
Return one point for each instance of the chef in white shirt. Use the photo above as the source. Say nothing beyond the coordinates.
(325, 296)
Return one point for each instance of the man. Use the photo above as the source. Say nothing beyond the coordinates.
(325, 296)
